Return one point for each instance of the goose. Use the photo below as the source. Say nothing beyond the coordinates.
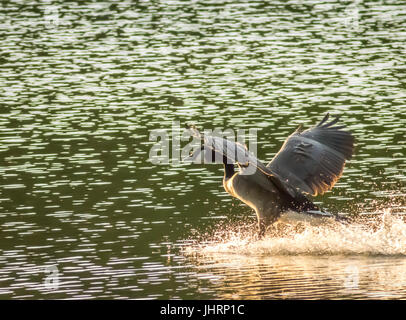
(309, 163)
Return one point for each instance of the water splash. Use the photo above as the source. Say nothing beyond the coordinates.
(384, 234)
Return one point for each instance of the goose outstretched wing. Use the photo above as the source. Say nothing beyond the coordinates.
(312, 161)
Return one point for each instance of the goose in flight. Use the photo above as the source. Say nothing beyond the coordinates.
(309, 163)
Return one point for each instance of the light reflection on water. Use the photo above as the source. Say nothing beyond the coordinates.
(83, 85)
(304, 277)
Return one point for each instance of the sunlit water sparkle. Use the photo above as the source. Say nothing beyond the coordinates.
(83, 84)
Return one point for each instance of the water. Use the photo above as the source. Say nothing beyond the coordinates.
(84, 214)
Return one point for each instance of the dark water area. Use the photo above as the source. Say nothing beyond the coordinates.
(84, 213)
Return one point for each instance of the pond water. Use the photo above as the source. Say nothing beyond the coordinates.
(84, 213)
